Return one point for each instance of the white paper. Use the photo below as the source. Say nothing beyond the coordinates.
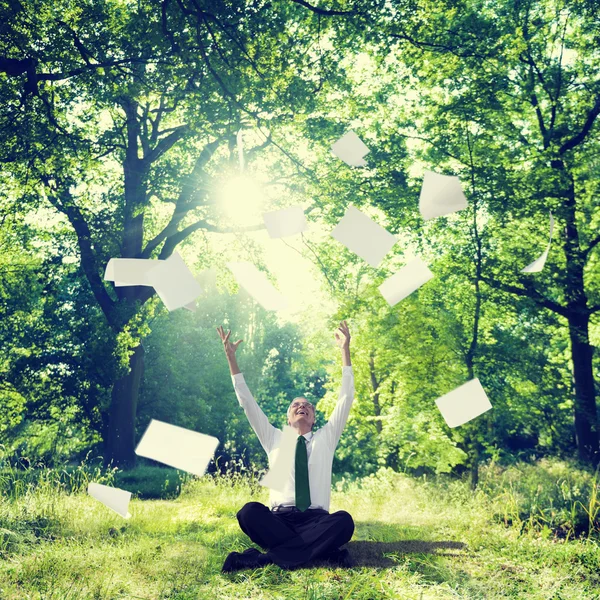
(440, 195)
(191, 307)
(537, 265)
(114, 498)
(177, 447)
(464, 403)
(129, 271)
(283, 461)
(351, 149)
(403, 283)
(363, 236)
(285, 222)
(255, 282)
(174, 282)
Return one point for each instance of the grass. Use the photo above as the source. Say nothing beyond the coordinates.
(414, 539)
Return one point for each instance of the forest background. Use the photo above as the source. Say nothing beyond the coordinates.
(121, 127)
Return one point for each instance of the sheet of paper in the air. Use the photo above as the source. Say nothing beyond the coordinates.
(537, 265)
(256, 283)
(174, 282)
(279, 472)
(285, 222)
(129, 271)
(363, 236)
(464, 403)
(440, 195)
(351, 149)
(114, 498)
(403, 283)
(177, 447)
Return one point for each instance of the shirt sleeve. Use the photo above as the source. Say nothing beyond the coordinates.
(266, 433)
(334, 427)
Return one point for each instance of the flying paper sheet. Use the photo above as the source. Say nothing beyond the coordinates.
(177, 447)
(537, 265)
(255, 282)
(114, 498)
(129, 271)
(440, 195)
(280, 470)
(351, 149)
(285, 222)
(363, 236)
(174, 283)
(405, 281)
(464, 403)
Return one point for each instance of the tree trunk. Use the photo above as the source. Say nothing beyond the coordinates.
(120, 437)
(586, 414)
(375, 385)
(474, 429)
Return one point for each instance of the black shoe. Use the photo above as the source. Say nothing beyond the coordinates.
(341, 558)
(249, 559)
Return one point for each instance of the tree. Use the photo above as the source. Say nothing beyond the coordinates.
(521, 73)
(127, 115)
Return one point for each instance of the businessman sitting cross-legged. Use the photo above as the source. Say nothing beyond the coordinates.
(297, 527)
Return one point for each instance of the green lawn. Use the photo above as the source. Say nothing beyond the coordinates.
(412, 540)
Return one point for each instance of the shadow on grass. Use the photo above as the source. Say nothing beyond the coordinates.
(377, 554)
(383, 555)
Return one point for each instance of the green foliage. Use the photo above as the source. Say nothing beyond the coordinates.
(120, 130)
(551, 497)
(148, 482)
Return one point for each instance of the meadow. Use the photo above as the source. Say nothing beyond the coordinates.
(529, 531)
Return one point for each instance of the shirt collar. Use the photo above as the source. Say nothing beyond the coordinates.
(308, 436)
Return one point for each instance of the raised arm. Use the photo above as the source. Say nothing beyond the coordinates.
(266, 433)
(337, 421)
(342, 338)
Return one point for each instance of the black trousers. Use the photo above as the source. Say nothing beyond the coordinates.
(294, 538)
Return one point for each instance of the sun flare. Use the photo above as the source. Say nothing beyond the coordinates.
(242, 199)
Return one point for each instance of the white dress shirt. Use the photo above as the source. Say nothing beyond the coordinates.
(320, 445)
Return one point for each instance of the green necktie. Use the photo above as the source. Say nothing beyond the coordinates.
(302, 486)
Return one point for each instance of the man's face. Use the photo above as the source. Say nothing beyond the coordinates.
(301, 411)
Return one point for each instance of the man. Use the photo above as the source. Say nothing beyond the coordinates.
(298, 527)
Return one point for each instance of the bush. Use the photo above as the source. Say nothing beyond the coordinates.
(554, 497)
(151, 482)
(17, 478)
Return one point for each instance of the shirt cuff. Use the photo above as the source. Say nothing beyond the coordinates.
(347, 371)
(237, 378)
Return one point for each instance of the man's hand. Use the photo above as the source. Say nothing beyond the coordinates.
(230, 349)
(342, 336)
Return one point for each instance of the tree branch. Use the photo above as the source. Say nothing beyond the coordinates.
(16, 67)
(165, 144)
(436, 47)
(184, 204)
(172, 241)
(63, 201)
(325, 12)
(587, 126)
(528, 291)
(591, 246)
